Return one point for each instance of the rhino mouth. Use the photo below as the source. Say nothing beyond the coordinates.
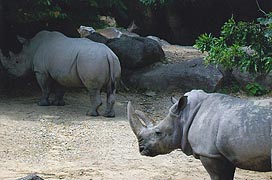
(141, 149)
(146, 152)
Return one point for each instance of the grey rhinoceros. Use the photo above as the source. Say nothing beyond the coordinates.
(224, 132)
(71, 62)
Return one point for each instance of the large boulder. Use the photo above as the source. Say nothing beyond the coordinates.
(133, 52)
(185, 75)
(136, 52)
(245, 78)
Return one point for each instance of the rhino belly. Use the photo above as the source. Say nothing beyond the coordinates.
(68, 80)
(67, 77)
(262, 164)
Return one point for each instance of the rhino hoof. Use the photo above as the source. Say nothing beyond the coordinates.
(92, 113)
(109, 114)
(58, 103)
(43, 102)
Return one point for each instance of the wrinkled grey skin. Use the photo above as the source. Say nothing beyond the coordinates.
(72, 62)
(224, 132)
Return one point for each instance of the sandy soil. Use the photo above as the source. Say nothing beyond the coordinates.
(63, 143)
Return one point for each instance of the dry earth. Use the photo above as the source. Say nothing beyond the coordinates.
(63, 143)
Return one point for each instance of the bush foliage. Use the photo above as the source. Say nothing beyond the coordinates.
(243, 45)
(153, 2)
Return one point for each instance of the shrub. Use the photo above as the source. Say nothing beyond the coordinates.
(153, 2)
(243, 45)
(255, 89)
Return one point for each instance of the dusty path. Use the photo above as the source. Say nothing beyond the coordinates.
(63, 143)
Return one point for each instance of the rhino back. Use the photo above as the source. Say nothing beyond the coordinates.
(234, 128)
(68, 59)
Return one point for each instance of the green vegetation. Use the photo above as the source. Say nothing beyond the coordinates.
(255, 89)
(153, 2)
(243, 45)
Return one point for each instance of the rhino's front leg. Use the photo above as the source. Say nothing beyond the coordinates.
(95, 97)
(218, 168)
(44, 82)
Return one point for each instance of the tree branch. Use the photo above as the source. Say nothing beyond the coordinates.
(258, 5)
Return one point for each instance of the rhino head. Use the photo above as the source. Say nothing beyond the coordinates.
(17, 65)
(161, 138)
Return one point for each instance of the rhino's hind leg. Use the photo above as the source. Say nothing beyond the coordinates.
(96, 102)
(218, 168)
(59, 93)
(44, 82)
(110, 103)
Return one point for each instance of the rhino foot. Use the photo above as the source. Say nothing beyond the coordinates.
(58, 102)
(110, 114)
(44, 102)
(91, 113)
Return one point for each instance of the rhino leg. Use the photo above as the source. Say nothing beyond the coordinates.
(110, 102)
(218, 168)
(59, 93)
(44, 82)
(95, 97)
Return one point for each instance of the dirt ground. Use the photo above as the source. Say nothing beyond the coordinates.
(63, 143)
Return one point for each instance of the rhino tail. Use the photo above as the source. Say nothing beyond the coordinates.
(111, 86)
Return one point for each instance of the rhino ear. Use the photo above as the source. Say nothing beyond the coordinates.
(174, 100)
(135, 124)
(181, 104)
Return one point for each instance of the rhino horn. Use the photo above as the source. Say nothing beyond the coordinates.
(135, 124)
(148, 122)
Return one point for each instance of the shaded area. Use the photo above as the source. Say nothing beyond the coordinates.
(181, 21)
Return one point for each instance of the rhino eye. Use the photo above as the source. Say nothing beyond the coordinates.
(16, 62)
(158, 133)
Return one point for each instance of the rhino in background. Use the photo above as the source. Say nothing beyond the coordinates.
(72, 62)
(224, 132)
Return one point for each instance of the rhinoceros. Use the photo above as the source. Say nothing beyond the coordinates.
(224, 132)
(71, 62)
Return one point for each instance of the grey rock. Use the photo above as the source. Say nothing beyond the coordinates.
(31, 177)
(136, 52)
(133, 51)
(162, 42)
(185, 75)
(244, 78)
